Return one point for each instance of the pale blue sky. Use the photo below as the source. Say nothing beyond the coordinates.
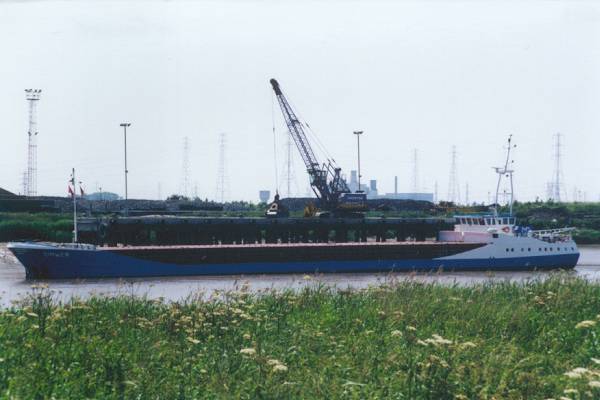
(422, 74)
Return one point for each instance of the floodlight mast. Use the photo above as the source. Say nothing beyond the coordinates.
(125, 125)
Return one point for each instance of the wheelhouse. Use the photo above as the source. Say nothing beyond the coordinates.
(485, 223)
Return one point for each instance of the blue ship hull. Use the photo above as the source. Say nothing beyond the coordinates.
(60, 263)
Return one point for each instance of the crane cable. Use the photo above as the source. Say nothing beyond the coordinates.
(274, 143)
(311, 133)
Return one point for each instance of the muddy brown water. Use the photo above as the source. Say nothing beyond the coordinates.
(13, 285)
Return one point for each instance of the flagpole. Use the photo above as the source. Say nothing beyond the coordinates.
(74, 208)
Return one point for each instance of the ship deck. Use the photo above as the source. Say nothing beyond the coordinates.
(281, 245)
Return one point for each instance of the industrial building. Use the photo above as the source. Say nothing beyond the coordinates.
(373, 193)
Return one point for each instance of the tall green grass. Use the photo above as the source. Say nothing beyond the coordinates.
(36, 226)
(402, 341)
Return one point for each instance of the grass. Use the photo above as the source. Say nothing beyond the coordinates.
(402, 341)
(36, 226)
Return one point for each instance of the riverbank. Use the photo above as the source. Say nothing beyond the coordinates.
(585, 217)
(405, 340)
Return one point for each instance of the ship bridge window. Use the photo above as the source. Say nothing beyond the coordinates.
(505, 221)
(481, 221)
(469, 221)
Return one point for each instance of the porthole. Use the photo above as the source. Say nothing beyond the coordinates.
(512, 249)
(529, 249)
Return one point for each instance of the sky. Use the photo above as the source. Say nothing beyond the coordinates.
(425, 74)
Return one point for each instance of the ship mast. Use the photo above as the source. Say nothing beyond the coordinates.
(73, 181)
(508, 173)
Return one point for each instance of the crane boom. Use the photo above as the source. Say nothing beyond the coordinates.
(296, 130)
(326, 179)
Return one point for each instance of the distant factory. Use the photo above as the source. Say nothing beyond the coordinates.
(373, 193)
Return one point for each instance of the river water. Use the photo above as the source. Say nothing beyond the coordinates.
(13, 285)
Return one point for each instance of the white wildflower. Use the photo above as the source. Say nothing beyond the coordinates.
(248, 351)
(585, 324)
(280, 368)
(572, 375)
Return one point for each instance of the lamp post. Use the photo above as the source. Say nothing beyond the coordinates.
(73, 182)
(358, 133)
(125, 125)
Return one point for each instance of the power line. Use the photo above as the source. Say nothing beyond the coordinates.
(453, 187)
(185, 168)
(289, 174)
(32, 96)
(556, 188)
(415, 177)
(222, 183)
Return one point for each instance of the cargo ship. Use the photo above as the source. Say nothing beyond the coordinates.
(478, 242)
(485, 242)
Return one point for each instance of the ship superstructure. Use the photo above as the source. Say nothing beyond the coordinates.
(505, 241)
